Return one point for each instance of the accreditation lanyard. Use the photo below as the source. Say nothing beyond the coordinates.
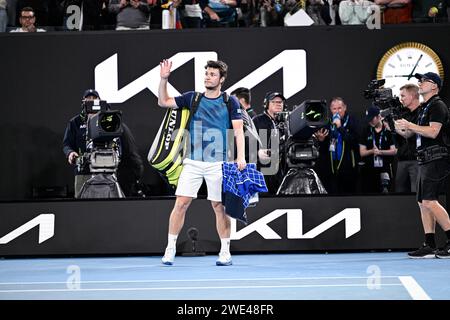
(274, 132)
(377, 160)
(420, 121)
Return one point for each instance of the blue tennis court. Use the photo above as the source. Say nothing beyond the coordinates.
(334, 276)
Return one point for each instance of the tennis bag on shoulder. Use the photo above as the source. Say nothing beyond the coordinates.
(170, 144)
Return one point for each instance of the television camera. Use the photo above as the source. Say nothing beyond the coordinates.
(298, 147)
(390, 106)
(296, 132)
(103, 129)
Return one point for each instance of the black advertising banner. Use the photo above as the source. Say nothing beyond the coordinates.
(44, 75)
(285, 224)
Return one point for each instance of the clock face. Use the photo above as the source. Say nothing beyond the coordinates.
(401, 62)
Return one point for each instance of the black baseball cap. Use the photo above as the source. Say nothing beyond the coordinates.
(430, 76)
(272, 95)
(91, 92)
(372, 112)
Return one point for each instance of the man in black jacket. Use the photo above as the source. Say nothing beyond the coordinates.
(338, 150)
(407, 167)
(130, 168)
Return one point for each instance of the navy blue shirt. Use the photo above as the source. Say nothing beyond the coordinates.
(209, 126)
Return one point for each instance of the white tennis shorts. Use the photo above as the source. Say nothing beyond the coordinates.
(192, 175)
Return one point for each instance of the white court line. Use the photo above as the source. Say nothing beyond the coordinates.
(195, 288)
(414, 289)
(189, 280)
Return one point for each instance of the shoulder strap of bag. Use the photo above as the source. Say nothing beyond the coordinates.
(228, 102)
(196, 102)
(194, 106)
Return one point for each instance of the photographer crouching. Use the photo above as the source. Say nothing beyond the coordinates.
(431, 133)
(130, 166)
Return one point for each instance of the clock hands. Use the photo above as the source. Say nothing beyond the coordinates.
(412, 72)
(409, 76)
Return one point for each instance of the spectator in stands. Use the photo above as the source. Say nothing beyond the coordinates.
(244, 97)
(191, 14)
(92, 11)
(395, 11)
(220, 13)
(271, 13)
(131, 14)
(319, 11)
(27, 21)
(333, 7)
(247, 13)
(41, 9)
(377, 149)
(355, 11)
(267, 125)
(430, 10)
(407, 166)
(3, 16)
(11, 10)
(337, 165)
(74, 145)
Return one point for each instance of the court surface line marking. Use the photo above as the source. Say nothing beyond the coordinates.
(414, 289)
(187, 280)
(193, 288)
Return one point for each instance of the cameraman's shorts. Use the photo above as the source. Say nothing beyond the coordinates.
(431, 179)
(192, 175)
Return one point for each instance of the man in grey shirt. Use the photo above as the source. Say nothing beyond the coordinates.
(131, 14)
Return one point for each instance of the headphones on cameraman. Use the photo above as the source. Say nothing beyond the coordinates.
(269, 96)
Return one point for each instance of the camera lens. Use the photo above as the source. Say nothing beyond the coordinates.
(315, 112)
(110, 122)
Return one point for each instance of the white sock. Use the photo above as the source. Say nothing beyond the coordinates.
(225, 245)
(172, 241)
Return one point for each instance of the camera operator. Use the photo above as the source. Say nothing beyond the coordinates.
(338, 150)
(267, 125)
(407, 167)
(431, 134)
(377, 149)
(74, 145)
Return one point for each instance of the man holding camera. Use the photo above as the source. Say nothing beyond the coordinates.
(407, 167)
(431, 134)
(74, 146)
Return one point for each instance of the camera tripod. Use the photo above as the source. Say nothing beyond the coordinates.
(101, 185)
(301, 180)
